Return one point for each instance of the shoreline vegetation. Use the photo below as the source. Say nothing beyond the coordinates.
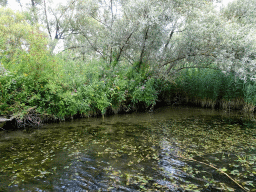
(101, 96)
(123, 62)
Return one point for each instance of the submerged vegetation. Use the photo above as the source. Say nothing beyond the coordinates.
(214, 153)
(121, 61)
(174, 150)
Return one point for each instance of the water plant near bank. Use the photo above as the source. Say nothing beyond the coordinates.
(214, 88)
(184, 149)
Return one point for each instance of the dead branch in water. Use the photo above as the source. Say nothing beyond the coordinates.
(191, 159)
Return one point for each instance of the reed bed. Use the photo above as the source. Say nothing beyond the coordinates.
(214, 89)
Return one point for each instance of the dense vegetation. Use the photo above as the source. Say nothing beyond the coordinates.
(120, 56)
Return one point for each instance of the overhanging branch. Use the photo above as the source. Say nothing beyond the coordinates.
(74, 47)
(191, 55)
(95, 48)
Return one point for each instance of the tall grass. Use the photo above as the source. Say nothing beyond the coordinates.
(249, 91)
(99, 87)
(213, 88)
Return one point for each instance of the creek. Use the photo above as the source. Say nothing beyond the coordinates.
(171, 149)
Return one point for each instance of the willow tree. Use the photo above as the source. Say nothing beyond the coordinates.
(240, 44)
(165, 35)
(169, 35)
(137, 31)
(49, 14)
(3, 2)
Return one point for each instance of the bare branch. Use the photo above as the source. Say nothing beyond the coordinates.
(122, 48)
(191, 55)
(99, 21)
(169, 39)
(143, 46)
(74, 47)
(95, 48)
(198, 67)
(47, 22)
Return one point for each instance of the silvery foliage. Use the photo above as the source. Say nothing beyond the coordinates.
(3, 2)
(128, 28)
(240, 17)
(241, 11)
(167, 35)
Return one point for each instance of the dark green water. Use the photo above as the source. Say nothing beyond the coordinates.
(172, 149)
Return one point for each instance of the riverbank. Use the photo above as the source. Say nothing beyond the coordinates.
(38, 86)
(33, 119)
(3, 121)
(98, 89)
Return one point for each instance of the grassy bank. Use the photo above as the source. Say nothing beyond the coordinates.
(83, 89)
(76, 89)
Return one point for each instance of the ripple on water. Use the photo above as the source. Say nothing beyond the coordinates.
(136, 152)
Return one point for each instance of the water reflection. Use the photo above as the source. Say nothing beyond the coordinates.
(134, 152)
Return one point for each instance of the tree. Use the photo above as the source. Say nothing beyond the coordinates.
(3, 2)
(241, 11)
(165, 35)
(48, 14)
(24, 48)
(137, 31)
(240, 44)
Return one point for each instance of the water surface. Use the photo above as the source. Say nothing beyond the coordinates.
(171, 149)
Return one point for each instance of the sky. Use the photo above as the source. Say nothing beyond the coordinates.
(225, 2)
(13, 4)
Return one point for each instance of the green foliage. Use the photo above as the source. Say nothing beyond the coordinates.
(232, 87)
(200, 83)
(144, 92)
(250, 92)
(67, 84)
(12, 93)
(100, 86)
(207, 85)
(77, 88)
(25, 55)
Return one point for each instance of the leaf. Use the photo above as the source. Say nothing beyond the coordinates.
(235, 172)
(224, 169)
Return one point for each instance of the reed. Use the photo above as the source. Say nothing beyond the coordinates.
(212, 88)
(249, 107)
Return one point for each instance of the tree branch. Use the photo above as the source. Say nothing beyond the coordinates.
(143, 46)
(74, 47)
(122, 48)
(185, 56)
(170, 37)
(198, 67)
(47, 23)
(95, 48)
(99, 21)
